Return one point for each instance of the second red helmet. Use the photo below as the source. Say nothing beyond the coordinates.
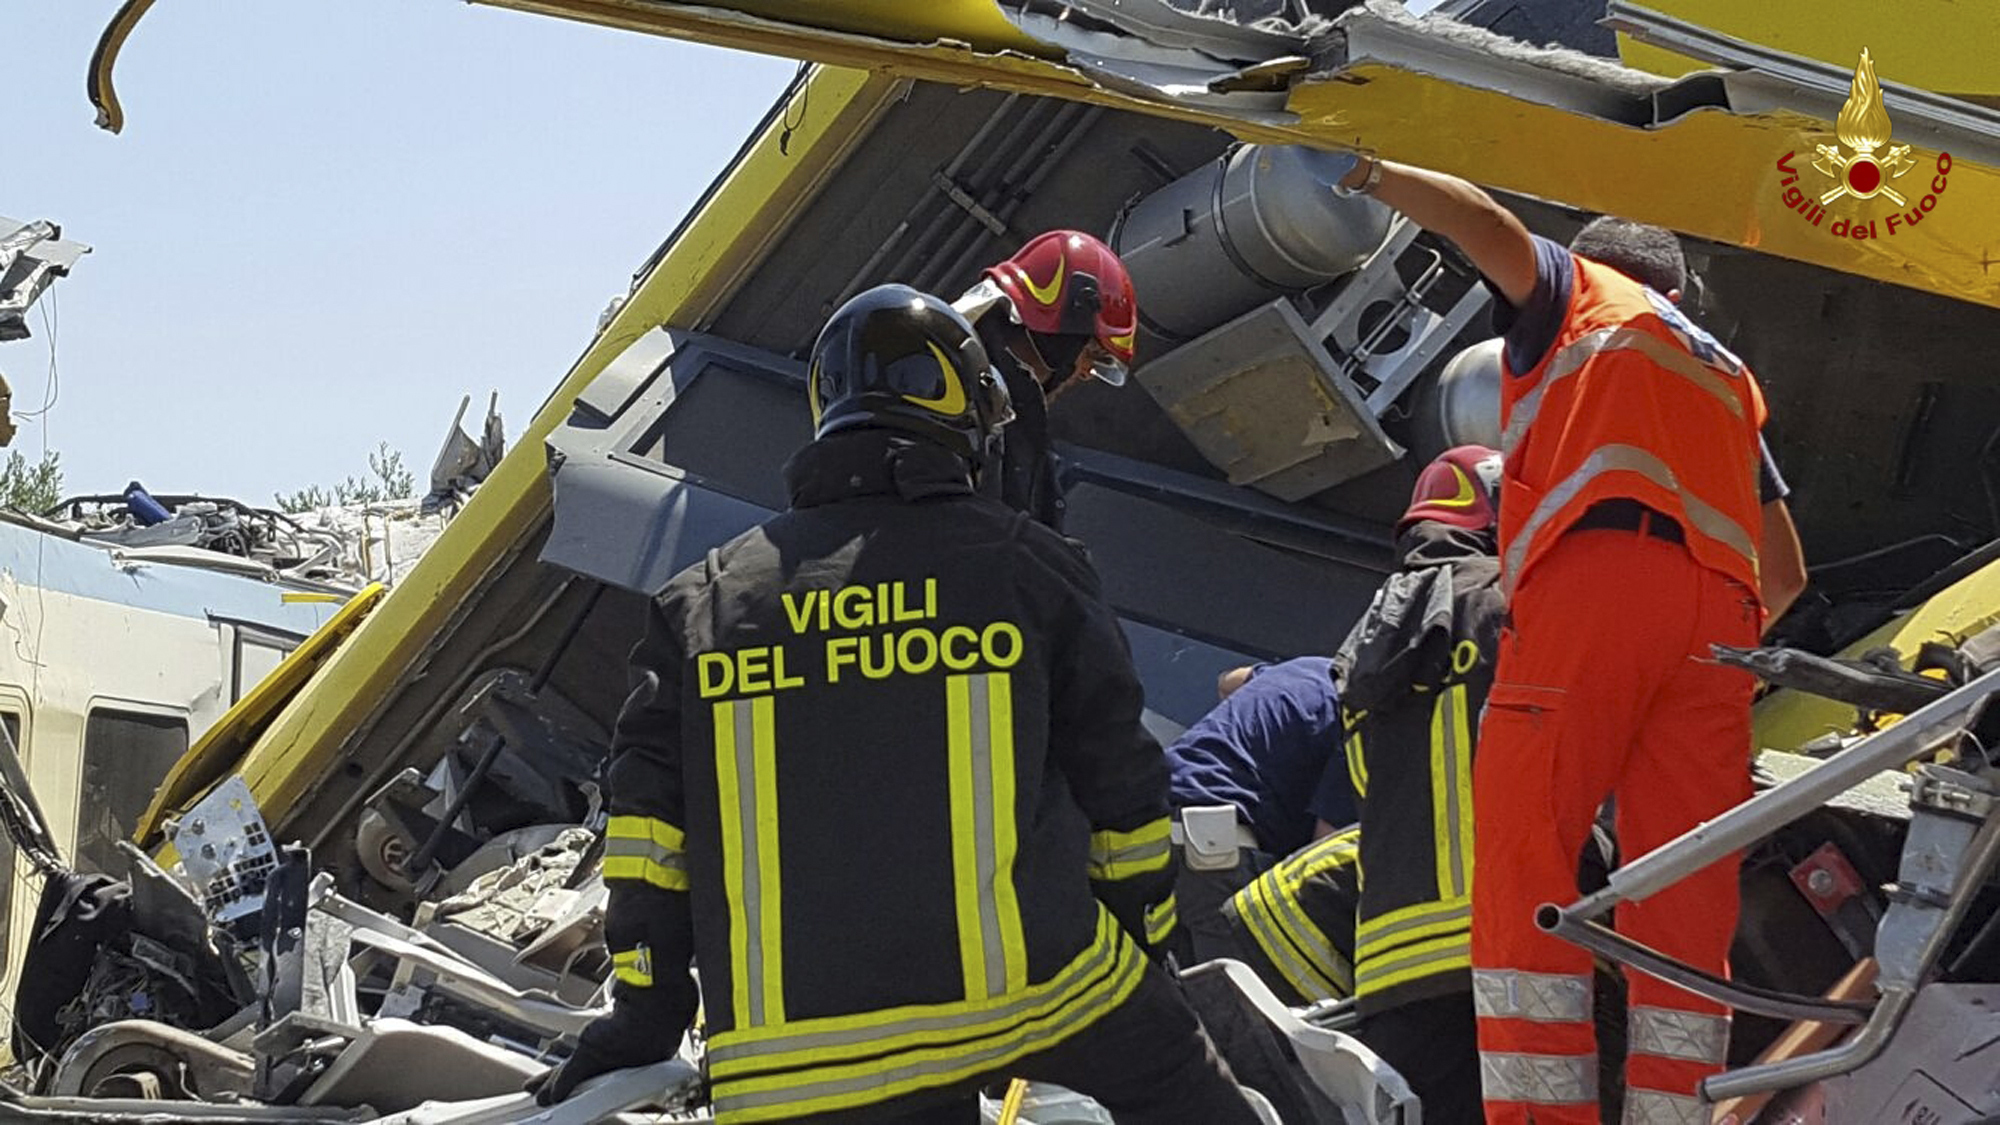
(1067, 283)
(1461, 487)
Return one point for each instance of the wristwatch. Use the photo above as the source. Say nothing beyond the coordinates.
(1368, 182)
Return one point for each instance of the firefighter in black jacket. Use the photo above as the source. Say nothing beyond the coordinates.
(883, 777)
(1384, 913)
(1058, 312)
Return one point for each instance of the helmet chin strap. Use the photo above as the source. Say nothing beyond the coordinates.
(1022, 347)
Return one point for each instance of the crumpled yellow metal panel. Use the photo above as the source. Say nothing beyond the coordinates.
(920, 49)
(214, 756)
(977, 23)
(1945, 46)
(1710, 173)
(1789, 719)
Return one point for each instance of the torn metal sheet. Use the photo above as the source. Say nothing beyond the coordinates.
(462, 463)
(32, 256)
(518, 902)
(1181, 66)
(1941, 45)
(396, 1065)
(1205, 88)
(1765, 80)
(1227, 29)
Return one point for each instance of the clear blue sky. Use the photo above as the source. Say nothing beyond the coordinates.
(328, 219)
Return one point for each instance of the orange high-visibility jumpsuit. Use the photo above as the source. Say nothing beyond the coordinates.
(1629, 518)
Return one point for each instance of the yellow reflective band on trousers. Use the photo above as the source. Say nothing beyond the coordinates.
(1451, 792)
(1161, 918)
(838, 1062)
(1671, 1033)
(1506, 1076)
(644, 849)
(634, 967)
(1299, 950)
(746, 776)
(979, 721)
(1121, 855)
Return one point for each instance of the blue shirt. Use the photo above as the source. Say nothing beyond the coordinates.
(1272, 749)
(1531, 330)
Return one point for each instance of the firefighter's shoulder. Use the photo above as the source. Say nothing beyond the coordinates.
(1063, 557)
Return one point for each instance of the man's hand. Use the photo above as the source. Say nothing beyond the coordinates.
(610, 1043)
(1781, 562)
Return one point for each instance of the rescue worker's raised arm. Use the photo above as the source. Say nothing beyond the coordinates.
(647, 925)
(1115, 770)
(1457, 210)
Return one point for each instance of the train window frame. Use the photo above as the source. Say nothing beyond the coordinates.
(93, 709)
(245, 634)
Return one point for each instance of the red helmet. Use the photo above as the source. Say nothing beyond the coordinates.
(1461, 488)
(1066, 283)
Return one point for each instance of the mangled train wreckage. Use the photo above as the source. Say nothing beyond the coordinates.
(385, 905)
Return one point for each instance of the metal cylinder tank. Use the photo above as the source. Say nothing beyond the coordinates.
(1467, 399)
(1260, 222)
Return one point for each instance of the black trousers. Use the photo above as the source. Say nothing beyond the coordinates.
(1199, 896)
(1147, 1061)
(1434, 1045)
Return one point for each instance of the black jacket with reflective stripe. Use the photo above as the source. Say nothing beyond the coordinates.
(896, 726)
(1294, 924)
(1027, 480)
(1414, 674)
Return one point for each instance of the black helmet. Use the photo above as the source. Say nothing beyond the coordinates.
(901, 359)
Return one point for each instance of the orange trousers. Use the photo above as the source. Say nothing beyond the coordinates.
(1605, 687)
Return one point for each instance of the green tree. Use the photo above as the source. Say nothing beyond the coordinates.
(31, 487)
(387, 479)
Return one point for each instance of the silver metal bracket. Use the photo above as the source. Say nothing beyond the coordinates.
(1951, 792)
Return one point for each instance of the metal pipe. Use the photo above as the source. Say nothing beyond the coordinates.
(1830, 1063)
(978, 138)
(1026, 190)
(1003, 197)
(1897, 995)
(921, 250)
(1922, 732)
(1614, 946)
(1333, 1015)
